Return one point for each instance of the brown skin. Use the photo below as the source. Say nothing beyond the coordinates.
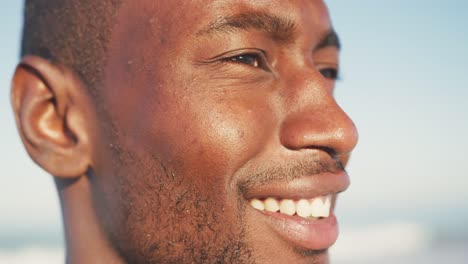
(153, 172)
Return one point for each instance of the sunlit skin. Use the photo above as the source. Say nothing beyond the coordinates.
(203, 106)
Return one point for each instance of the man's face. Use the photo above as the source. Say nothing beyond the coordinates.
(217, 107)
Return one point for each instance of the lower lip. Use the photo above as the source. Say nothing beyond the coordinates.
(308, 234)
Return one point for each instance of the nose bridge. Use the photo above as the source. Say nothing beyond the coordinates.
(312, 118)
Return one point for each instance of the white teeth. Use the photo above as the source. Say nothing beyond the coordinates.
(327, 206)
(287, 207)
(303, 208)
(320, 208)
(257, 204)
(271, 205)
(316, 207)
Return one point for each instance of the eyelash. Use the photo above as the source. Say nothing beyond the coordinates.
(330, 73)
(259, 61)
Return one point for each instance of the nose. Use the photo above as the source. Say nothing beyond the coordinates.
(313, 119)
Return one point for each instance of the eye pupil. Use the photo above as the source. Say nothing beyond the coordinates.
(330, 73)
(251, 60)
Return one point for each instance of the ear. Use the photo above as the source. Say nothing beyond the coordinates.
(50, 108)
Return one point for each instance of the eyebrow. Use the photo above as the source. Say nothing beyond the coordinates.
(331, 39)
(278, 28)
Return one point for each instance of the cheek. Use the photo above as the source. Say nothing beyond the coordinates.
(176, 165)
(207, 140)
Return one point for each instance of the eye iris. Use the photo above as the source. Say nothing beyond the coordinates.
(329, 73)
(246, 59)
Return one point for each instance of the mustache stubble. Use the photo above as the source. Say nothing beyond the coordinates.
(289, 172)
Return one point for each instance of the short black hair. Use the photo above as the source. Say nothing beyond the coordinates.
(74, 33)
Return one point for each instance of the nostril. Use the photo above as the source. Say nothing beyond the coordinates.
(328, 150)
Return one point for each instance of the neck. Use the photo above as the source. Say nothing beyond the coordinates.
(85, 240)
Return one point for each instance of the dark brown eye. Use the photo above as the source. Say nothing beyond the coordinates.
(330, 73)
(253, 60)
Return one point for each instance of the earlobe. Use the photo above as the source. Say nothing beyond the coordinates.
(50, 117)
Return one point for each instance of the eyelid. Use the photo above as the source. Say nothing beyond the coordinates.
(224, 57)
(329, 65)
(334, 77)
(237, 52)
(325, 65)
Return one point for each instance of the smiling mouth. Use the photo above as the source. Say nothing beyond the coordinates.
(299, 211)
(312, 209)
(306, 223)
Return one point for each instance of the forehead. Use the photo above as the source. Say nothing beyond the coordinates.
(180, 19)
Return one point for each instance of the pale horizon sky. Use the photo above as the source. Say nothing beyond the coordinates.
(405, 79)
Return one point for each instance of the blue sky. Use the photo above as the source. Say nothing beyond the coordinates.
(405, 79)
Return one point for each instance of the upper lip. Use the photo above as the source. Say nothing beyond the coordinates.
(306, 187)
